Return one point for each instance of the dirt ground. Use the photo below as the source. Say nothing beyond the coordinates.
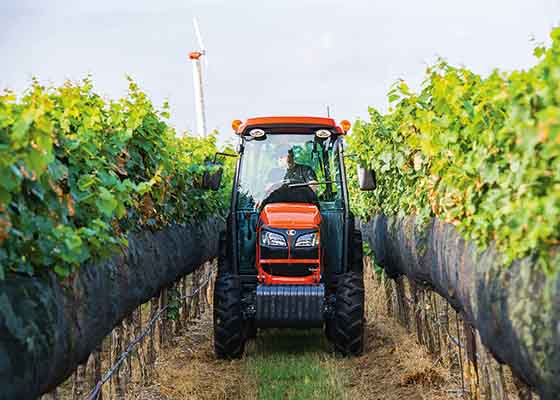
(393, 366)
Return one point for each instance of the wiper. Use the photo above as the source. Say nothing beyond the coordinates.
(313, 183)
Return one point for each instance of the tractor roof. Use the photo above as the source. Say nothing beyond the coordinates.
(315, 122)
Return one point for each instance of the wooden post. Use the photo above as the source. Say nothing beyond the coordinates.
(108, 356)
(496, 377)
(140, 353)
(186, 308)
(471, 366)
(428, 321)
(97, 360)
(199, 273)
(460, 352)
(436, 316)
(402, 305)
(207, 285)
(416, 293)
(151, 356)
(210, 291)
(523, 391)
(118, 348)
(201, 297)
(484, 379)
(170, 316)
(449, 348)
(388, 286)
(128, 330)
(194, 286)
(79, 381)
(180, 322)
(163, 331)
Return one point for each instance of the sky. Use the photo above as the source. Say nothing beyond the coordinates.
(264, 57)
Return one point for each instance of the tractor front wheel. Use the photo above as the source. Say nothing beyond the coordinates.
(347, 327)
(229, 341)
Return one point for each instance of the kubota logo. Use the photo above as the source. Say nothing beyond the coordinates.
(291, 232)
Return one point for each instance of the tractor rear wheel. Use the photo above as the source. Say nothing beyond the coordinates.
(347, 327)
(229, 341)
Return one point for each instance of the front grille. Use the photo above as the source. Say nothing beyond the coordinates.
(305, 252)
(292, 270)
(271, 253)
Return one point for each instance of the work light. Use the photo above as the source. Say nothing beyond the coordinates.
(256, 133)
(323, 133)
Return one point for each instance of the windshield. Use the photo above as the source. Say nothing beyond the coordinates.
(303, 167)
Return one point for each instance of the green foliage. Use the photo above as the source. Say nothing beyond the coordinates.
(77, 172)
(480, 153)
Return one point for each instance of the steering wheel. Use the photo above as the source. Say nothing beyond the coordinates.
(271, 187)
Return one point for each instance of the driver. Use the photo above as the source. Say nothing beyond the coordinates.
(297, 173)
(287, 170)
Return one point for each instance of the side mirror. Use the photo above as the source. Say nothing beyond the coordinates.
(212, 179)
(366, 178)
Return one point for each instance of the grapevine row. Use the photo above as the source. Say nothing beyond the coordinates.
(78, 172)
(482, 153)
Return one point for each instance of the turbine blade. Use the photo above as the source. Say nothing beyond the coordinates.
(198, 36)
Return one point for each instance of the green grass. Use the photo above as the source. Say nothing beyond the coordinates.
(294, 364)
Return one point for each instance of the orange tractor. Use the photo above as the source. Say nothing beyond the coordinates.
(292, 256)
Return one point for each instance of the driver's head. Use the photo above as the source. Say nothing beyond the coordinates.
(285, 157)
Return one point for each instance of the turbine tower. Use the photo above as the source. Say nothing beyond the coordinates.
(195, 57)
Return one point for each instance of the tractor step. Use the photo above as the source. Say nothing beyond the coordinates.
(290, 306)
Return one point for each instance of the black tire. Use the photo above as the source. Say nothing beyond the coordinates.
(348, 323)
(229, 341)
(356, 264)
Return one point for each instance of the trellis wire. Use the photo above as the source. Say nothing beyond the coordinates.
(94, 393)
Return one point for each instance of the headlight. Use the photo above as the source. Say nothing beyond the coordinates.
(308, 240)
(272, 239)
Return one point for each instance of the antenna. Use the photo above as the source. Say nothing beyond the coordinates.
(197, 81)
(328, 111)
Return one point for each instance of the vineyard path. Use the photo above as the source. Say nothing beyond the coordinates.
(300, 365)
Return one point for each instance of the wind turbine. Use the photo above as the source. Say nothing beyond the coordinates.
(195, 57)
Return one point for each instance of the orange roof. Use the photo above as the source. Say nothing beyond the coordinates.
(262, 121)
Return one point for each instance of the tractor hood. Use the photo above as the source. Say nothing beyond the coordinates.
(291, 215)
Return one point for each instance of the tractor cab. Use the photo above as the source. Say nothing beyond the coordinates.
(290, 247)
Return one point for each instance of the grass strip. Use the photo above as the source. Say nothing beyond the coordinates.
(293, 364)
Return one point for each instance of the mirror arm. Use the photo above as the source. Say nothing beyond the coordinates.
(223, 154)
